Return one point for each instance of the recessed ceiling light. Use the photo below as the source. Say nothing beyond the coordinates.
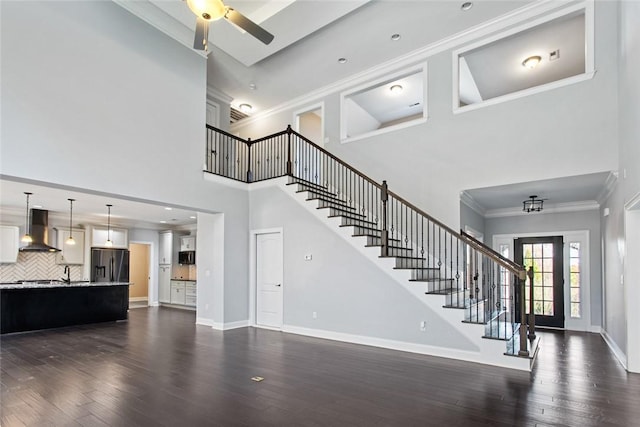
(163, 222)
(395, 37)
(37, 206)
(532, 61)
(396, 89)
(466, 5)
(245, 108)
(252, 86)
(192, 217)
(342, 60)
(167, 208)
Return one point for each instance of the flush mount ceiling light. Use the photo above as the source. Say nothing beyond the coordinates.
(396, 89)
(27, 236)
(532, 205)
(109, 242)
(395, 37)
(70, 240)
(466, 5)
(168, 208)
(342, 60)
(532, 61)
(245, 108)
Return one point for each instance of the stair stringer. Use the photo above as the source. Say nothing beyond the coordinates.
(490, 352)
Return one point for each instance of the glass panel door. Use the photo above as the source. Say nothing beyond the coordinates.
(544, 254)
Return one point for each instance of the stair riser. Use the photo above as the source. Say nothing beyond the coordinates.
(349, 212)
(411, 263)
(366, 231)
(355, 221)
(439, 286)
(399, 252)
(312, 190)
(425, 274)
(377, 241)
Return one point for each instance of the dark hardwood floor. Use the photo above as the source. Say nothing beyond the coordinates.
(159, 369)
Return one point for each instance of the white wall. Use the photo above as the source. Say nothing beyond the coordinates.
(471, 218)
(96, 99)
(349, 293)
(571, 131)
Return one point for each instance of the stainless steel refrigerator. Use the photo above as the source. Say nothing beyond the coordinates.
(109, 265)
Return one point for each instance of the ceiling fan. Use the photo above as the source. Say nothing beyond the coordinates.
(212, 10)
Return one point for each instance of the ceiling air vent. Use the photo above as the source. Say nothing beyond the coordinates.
(237, 115)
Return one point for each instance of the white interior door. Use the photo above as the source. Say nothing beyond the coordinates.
(269, 268)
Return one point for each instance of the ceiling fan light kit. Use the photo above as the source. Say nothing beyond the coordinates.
(212, 10)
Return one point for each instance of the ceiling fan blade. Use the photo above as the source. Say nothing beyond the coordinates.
(249, 26)
(200, 40)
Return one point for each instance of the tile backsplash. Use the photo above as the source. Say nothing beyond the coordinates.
(36, 266)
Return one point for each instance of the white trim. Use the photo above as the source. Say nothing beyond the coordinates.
(631, 286)
(586, 5)
(582, 236)
(152, 283)
(633, 201)
(217, 94)
(468, 200)
(270, 328)
(609, 186)
(232, 325)
(449, 353)
(137, 299)
(514, 17)
(205, 322)
(253, 288)
(587, 205)
(154, 304)
(216, 107)
(221, 180)
(308, 109)
(617, 352)
(415, 69)
(595, 329)
(479, 236)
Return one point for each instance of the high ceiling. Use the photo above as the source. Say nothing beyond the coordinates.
(310, 37)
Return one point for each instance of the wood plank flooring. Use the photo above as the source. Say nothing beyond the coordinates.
(159, 369)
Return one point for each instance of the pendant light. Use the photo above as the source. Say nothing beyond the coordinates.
(109, 242)
(27, 236)
(70, 240)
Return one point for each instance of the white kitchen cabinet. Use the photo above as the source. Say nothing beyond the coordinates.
(9, 243)
(69, 254)
(188, 243)
(165, 249)
(178, 295)
(190, 294)
(164, 284)
(119, 237)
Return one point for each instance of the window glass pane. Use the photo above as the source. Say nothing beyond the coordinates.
(574, 250)
(548, 308)
(575, 295)
(575, 264)
(547, 264)
(575, 280)
(575, 309)
(547, 279)
(537, 251)
(547, 249)
(548, 293)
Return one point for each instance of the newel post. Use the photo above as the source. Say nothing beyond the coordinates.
(289, 166)
(384, 236)
(532, 314)
(249, 173)
(522, 280)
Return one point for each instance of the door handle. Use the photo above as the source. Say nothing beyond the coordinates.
(279, 284)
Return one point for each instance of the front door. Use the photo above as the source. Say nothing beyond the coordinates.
(545, 255)
(269, 280)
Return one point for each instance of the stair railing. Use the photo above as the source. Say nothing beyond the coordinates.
(474, 277)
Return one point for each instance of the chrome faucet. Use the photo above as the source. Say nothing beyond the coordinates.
(67, 271)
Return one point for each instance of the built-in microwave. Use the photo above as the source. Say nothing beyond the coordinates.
(187, 257)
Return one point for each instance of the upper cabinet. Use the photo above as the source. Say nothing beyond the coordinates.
(188, 243)
(119, 238)
(166, 248)
(9, 243)
(70, 254)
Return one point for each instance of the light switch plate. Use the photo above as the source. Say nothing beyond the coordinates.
(308, 257)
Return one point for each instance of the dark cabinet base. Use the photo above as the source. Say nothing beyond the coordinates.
(43, 308)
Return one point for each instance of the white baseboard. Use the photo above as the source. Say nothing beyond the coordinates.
(469, 356)
(595, 329)
(622, 358)
(136, 299)
(222, 326)
(154, 304)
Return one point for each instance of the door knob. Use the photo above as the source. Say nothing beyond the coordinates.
(279, 284)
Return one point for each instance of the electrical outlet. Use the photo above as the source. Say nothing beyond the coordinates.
(314, 314)
(423, 325)
(308, 257)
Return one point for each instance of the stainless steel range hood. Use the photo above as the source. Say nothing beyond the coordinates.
(39, 233)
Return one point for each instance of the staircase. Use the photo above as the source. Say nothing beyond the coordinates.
(487, 288)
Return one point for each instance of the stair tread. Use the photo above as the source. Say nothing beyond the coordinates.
(317, 191)
(417, 268)
(352, 215)
(360, 226)
(360, 220)
(336, 201)
(402, 257)
(294, 181)
(432, 280)
(374, 236)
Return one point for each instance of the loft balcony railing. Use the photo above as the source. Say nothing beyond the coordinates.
(474, 277)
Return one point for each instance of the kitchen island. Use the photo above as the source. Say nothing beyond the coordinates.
(29, 306)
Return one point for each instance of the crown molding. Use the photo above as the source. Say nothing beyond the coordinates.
(609, 186)
(514, 17)
(468, 200)
(586, 205)
(216, 93)
(152, 15)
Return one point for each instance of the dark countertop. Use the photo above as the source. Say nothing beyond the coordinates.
(184, 280)
(40, 284)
